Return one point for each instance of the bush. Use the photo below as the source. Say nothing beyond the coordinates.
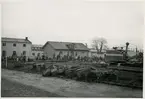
(30, 60)
(18, 64)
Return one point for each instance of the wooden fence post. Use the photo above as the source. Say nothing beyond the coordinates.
(6, 62)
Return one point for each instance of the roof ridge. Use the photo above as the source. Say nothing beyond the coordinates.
(65, 42)
(12, 38)
(7, 39)
(37, 44)
(63, 45)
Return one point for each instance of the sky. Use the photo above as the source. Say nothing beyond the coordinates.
(74, 21)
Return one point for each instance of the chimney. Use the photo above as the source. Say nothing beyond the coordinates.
(26, 38)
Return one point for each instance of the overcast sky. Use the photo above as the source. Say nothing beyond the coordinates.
(74, 20)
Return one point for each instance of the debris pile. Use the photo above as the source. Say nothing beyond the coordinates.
(94, 73)
(18, 64)
(81, 72)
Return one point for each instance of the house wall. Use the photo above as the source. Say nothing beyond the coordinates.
(9, 48)
(91, 54)
(36, 53)
(131, 53)
(95, 54)
(101, 55)
(76, 53)
(82, 53)
(63, 52)
(49, 51)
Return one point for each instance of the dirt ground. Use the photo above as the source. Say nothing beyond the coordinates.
(70, 88)
(14, 89)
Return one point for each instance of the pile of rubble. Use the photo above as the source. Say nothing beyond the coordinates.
(81, 72)
(89, 73)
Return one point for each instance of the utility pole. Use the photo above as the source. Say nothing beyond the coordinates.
(6, 62)
(127, 44)
(136, 51)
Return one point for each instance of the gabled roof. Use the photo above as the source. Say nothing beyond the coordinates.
(58, 45)
(20, 40)
(64, 45)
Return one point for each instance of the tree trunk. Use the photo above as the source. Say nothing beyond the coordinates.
(101, 47)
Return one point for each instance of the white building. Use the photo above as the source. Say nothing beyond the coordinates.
(16, 47)
(94, 53)
(37, 51)
(131, 53)
(52, 48)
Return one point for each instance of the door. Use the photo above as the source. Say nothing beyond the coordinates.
(4, 54)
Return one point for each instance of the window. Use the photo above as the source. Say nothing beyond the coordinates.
(60, 52)
(14, 53)
(24, 45)
(76, 53)
(4, 44)
(38, 54)
(24, 52)
(3, 53)
(14, 44)
(33, 54)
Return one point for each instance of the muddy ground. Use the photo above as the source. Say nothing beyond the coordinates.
(14, 89)
(70, 88)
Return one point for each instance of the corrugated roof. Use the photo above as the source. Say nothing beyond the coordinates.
(5, 39)
(64, 45)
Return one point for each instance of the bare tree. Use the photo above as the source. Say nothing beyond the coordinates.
(71, 47)
(99, 44)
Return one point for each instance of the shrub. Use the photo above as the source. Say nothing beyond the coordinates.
(18, 64)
